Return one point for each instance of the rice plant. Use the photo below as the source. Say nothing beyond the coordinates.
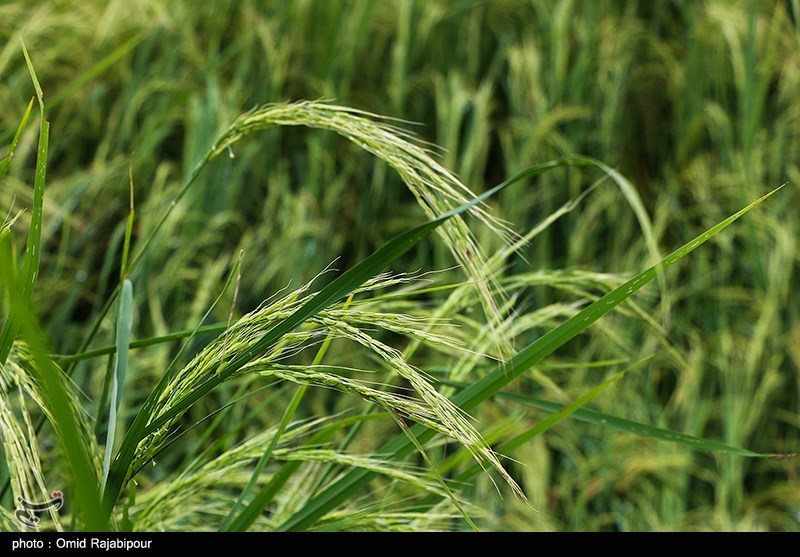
(218, 317)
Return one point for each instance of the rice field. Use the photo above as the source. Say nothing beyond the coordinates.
(399, 265)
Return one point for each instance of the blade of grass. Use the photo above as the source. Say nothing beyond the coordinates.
(603, 420)
(559, 414)
(506, 372)
(579, 402)
(622, 424)
(54, 386)
(646, 226)
(214, 328)
(126, 246)
(124, 321)
(21, 315)
(33, 246)
(113, 363)
(547, 344)
(33, 249)
(147, 406)
(5, 164)
(32, 72)
(30, 267)
(98, 68)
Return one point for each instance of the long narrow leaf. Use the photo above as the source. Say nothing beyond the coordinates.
(123, 276)
(595, 418)
(621, 424)
(79, 461)
(5, 164)
(214, 328)
(124, 321)
(99, 67)
(142, 416)
(566, 411)
(506, 372)
(33, 250)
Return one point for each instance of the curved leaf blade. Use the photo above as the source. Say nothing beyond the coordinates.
(507, 371)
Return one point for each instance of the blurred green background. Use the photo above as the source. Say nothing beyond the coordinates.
(694, 102)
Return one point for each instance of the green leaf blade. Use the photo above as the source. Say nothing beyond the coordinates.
(124, 324)
(506, 372)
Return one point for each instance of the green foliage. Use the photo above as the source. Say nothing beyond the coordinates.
(364, 373)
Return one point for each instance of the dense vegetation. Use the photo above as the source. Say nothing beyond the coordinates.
(267, 147)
